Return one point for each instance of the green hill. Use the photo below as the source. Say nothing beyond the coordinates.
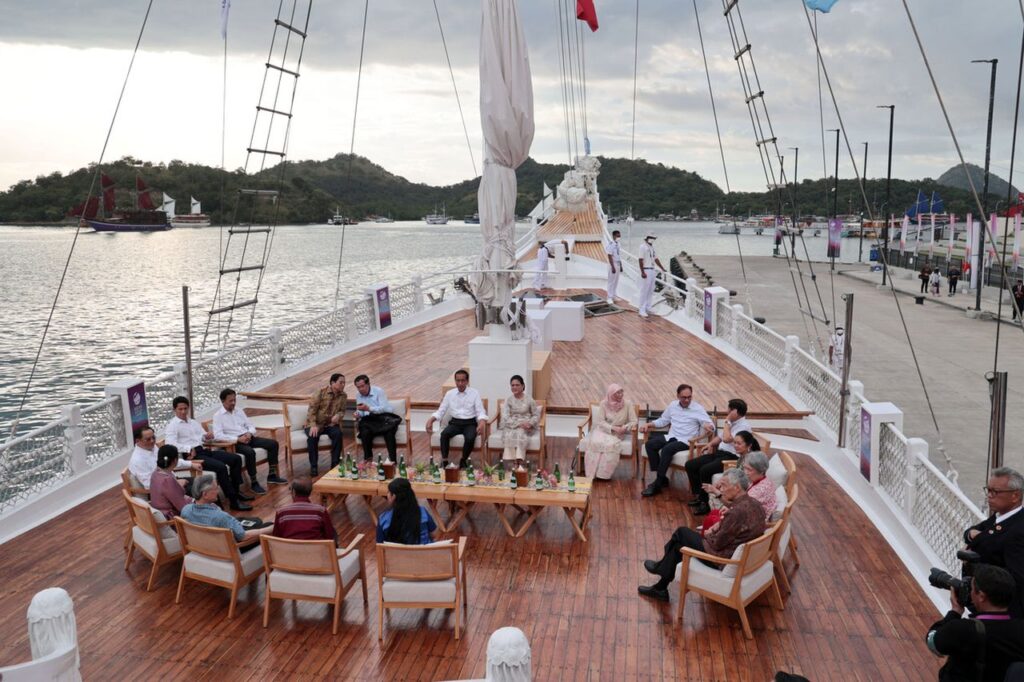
(359, 187)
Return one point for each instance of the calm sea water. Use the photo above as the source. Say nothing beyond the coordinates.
(120, 312)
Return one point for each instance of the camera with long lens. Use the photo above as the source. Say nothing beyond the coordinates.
(961, 586)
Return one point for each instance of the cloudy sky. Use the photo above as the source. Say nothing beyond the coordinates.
(64, 62)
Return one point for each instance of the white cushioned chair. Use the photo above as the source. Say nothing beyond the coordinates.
(311, 570)
(403, 437)
(152, 535)
(421, 577)
(630, 444)
(212, 556)
(742, 579)
(294, 416)
(261, 454)
(538, 439)
(455, 444)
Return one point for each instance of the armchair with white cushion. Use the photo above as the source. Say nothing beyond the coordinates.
(152, 535)
(422, 577)
(538, 439)
(630, 444)
(403, 436)
(212, 556)
(455, 444)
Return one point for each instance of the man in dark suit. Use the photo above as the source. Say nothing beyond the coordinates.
(999, 539)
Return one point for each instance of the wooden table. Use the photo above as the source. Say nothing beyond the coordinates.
(334, 489)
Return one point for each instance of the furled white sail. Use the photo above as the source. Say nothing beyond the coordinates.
(168, 205)
(506, 116)
(197, 207)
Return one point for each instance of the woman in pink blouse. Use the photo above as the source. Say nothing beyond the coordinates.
(167, 493)
(755, 466)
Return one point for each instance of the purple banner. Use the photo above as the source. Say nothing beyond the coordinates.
(383, 307)
(835, 235)
(137, 406)
(865, 444)
(709, 312)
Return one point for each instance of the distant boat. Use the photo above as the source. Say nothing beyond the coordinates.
(144, 216)
(338, 219)
(728, 229)
(384, 219)
(472, 219)
(436, 218)
(194, 218)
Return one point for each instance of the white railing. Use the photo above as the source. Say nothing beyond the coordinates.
(817, 387)
(758, 342)
(103, 430)
(33, 462)
(893, 464)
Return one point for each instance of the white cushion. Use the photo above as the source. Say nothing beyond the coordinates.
(495, 441)
(297, 415)
(435, 591)
(268, 421)
(717, 582)
(679, 459)
(455, 441)
(784, 540)
(166, 532)
(147, 543)
(781, 500)
(777, 471)
(252, 561)
(316, 585)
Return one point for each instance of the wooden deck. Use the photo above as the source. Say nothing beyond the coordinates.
(650, 358)
(855, 614)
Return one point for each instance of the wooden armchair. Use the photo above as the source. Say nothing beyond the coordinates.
(421, 577)
(784, 542)
(630, 445)
(311, 570)
(145, 536)
(212, 556)
(744, 577)
(479, 448)
(403, 437)
(294, 418)
(538, 439)
(678, 460)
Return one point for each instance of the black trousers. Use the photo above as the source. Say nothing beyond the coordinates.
(683, 537)
(1020, 304)
(702, 469)
(332, 431)
(247, 450)
(225, 467)
(952, 284)
(465, 427)
(368, 433)
(924, 285)
(660, 452)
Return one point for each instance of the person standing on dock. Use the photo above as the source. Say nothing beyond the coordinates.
(954, 277)
(648, 259)
(925, 273)
(1018, 296)
(614, 265)
(837, 350)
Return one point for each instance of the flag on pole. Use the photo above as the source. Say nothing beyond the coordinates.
(820, 5)
(990, 253)
(931, 242)
(1016, 241)
(225, 7)
(585, 12)
(903, 234)
(917, 236)
(968, 244)
(952, 236)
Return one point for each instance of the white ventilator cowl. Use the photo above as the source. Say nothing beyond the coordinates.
(51, 624)
(508, 656)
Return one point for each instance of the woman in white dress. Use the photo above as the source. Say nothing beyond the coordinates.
(613, 422)
(520, 416)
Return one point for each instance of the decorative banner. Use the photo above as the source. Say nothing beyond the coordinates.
(709, 312)
(835, 234)
(1016, 241)
(865, 444)
(903, 234)
(381, 304)
(952, 237)
(778, 231)
(137, 406)
(931, 242)
(917, 236)
(991, 253)
(976, 258)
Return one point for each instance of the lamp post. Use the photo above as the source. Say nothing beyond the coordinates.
(863, 184)
(984, 192)
(888, 187)
(835, 196)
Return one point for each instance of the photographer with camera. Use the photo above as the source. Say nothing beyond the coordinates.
(983, 646)
(999, 539)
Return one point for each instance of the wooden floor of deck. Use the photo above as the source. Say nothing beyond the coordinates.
(649, 357)
(854, 614)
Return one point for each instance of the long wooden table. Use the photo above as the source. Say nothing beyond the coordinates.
(334, 489)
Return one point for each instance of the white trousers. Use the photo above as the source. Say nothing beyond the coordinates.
(613, 281)
(646, 291)
(540, 280)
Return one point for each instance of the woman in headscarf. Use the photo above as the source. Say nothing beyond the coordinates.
(520, 416)
(613, 422)
(406, 522)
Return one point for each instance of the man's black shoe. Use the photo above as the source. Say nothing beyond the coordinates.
(258, 489)
(695, 502)
(651, 566)
(241, 506)
(274, 479)
(246, 498)
(651, 490)
(314, 472)
(652, 591)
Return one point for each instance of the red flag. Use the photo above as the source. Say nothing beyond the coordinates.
(140, 184)
(585, 12)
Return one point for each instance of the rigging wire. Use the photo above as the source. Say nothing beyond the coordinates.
(455, 87)
(636, 54)
(580, 39)
(78, 230)
(721, 151)
(562, 82)
(572, 78)
(821, 117)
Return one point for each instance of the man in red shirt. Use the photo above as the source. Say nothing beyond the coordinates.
(303, 520)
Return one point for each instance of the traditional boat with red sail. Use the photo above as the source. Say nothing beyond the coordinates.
(144, 216)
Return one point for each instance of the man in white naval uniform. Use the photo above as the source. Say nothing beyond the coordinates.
(837, 350)
(545, 251)
(648, 259)
(614, 264)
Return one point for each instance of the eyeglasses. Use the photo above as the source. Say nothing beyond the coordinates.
(686, 397)
(991, 492)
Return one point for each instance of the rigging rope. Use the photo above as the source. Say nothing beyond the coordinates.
(636, 54)
(562, 81)
(455, 87)
(78, 230)
(569, 18)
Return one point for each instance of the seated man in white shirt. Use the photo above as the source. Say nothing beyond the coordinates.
(188, 436)
(701, 469)
(143, 461)
(685, 419)
(468, 416)
(231, 424)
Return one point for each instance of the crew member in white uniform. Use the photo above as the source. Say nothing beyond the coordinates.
(648, 260)
(545, 251)
(614, 264)
(837, 350)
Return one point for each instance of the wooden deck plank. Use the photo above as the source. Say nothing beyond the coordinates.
(650, 358)
(854, 609)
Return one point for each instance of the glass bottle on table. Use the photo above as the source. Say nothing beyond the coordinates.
(539, 482)
(558, 473)
(572, 481)
(380, 469)
(402, 471)
(353, 468)
(435, 471)
(470, 474)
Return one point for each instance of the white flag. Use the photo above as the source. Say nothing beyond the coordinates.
(225, 7)
(931, 242)
(952, 236)
(1016, 241)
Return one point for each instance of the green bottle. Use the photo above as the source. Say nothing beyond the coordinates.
(515, 483)
(539, 483)
(501, 472)
(402, 472)
(342, 466)
(353, 469)
(380, 469)
(435, 471)
(470, 475)
(572, 482)
(558, 473)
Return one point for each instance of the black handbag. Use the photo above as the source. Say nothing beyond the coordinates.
(380, 423)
